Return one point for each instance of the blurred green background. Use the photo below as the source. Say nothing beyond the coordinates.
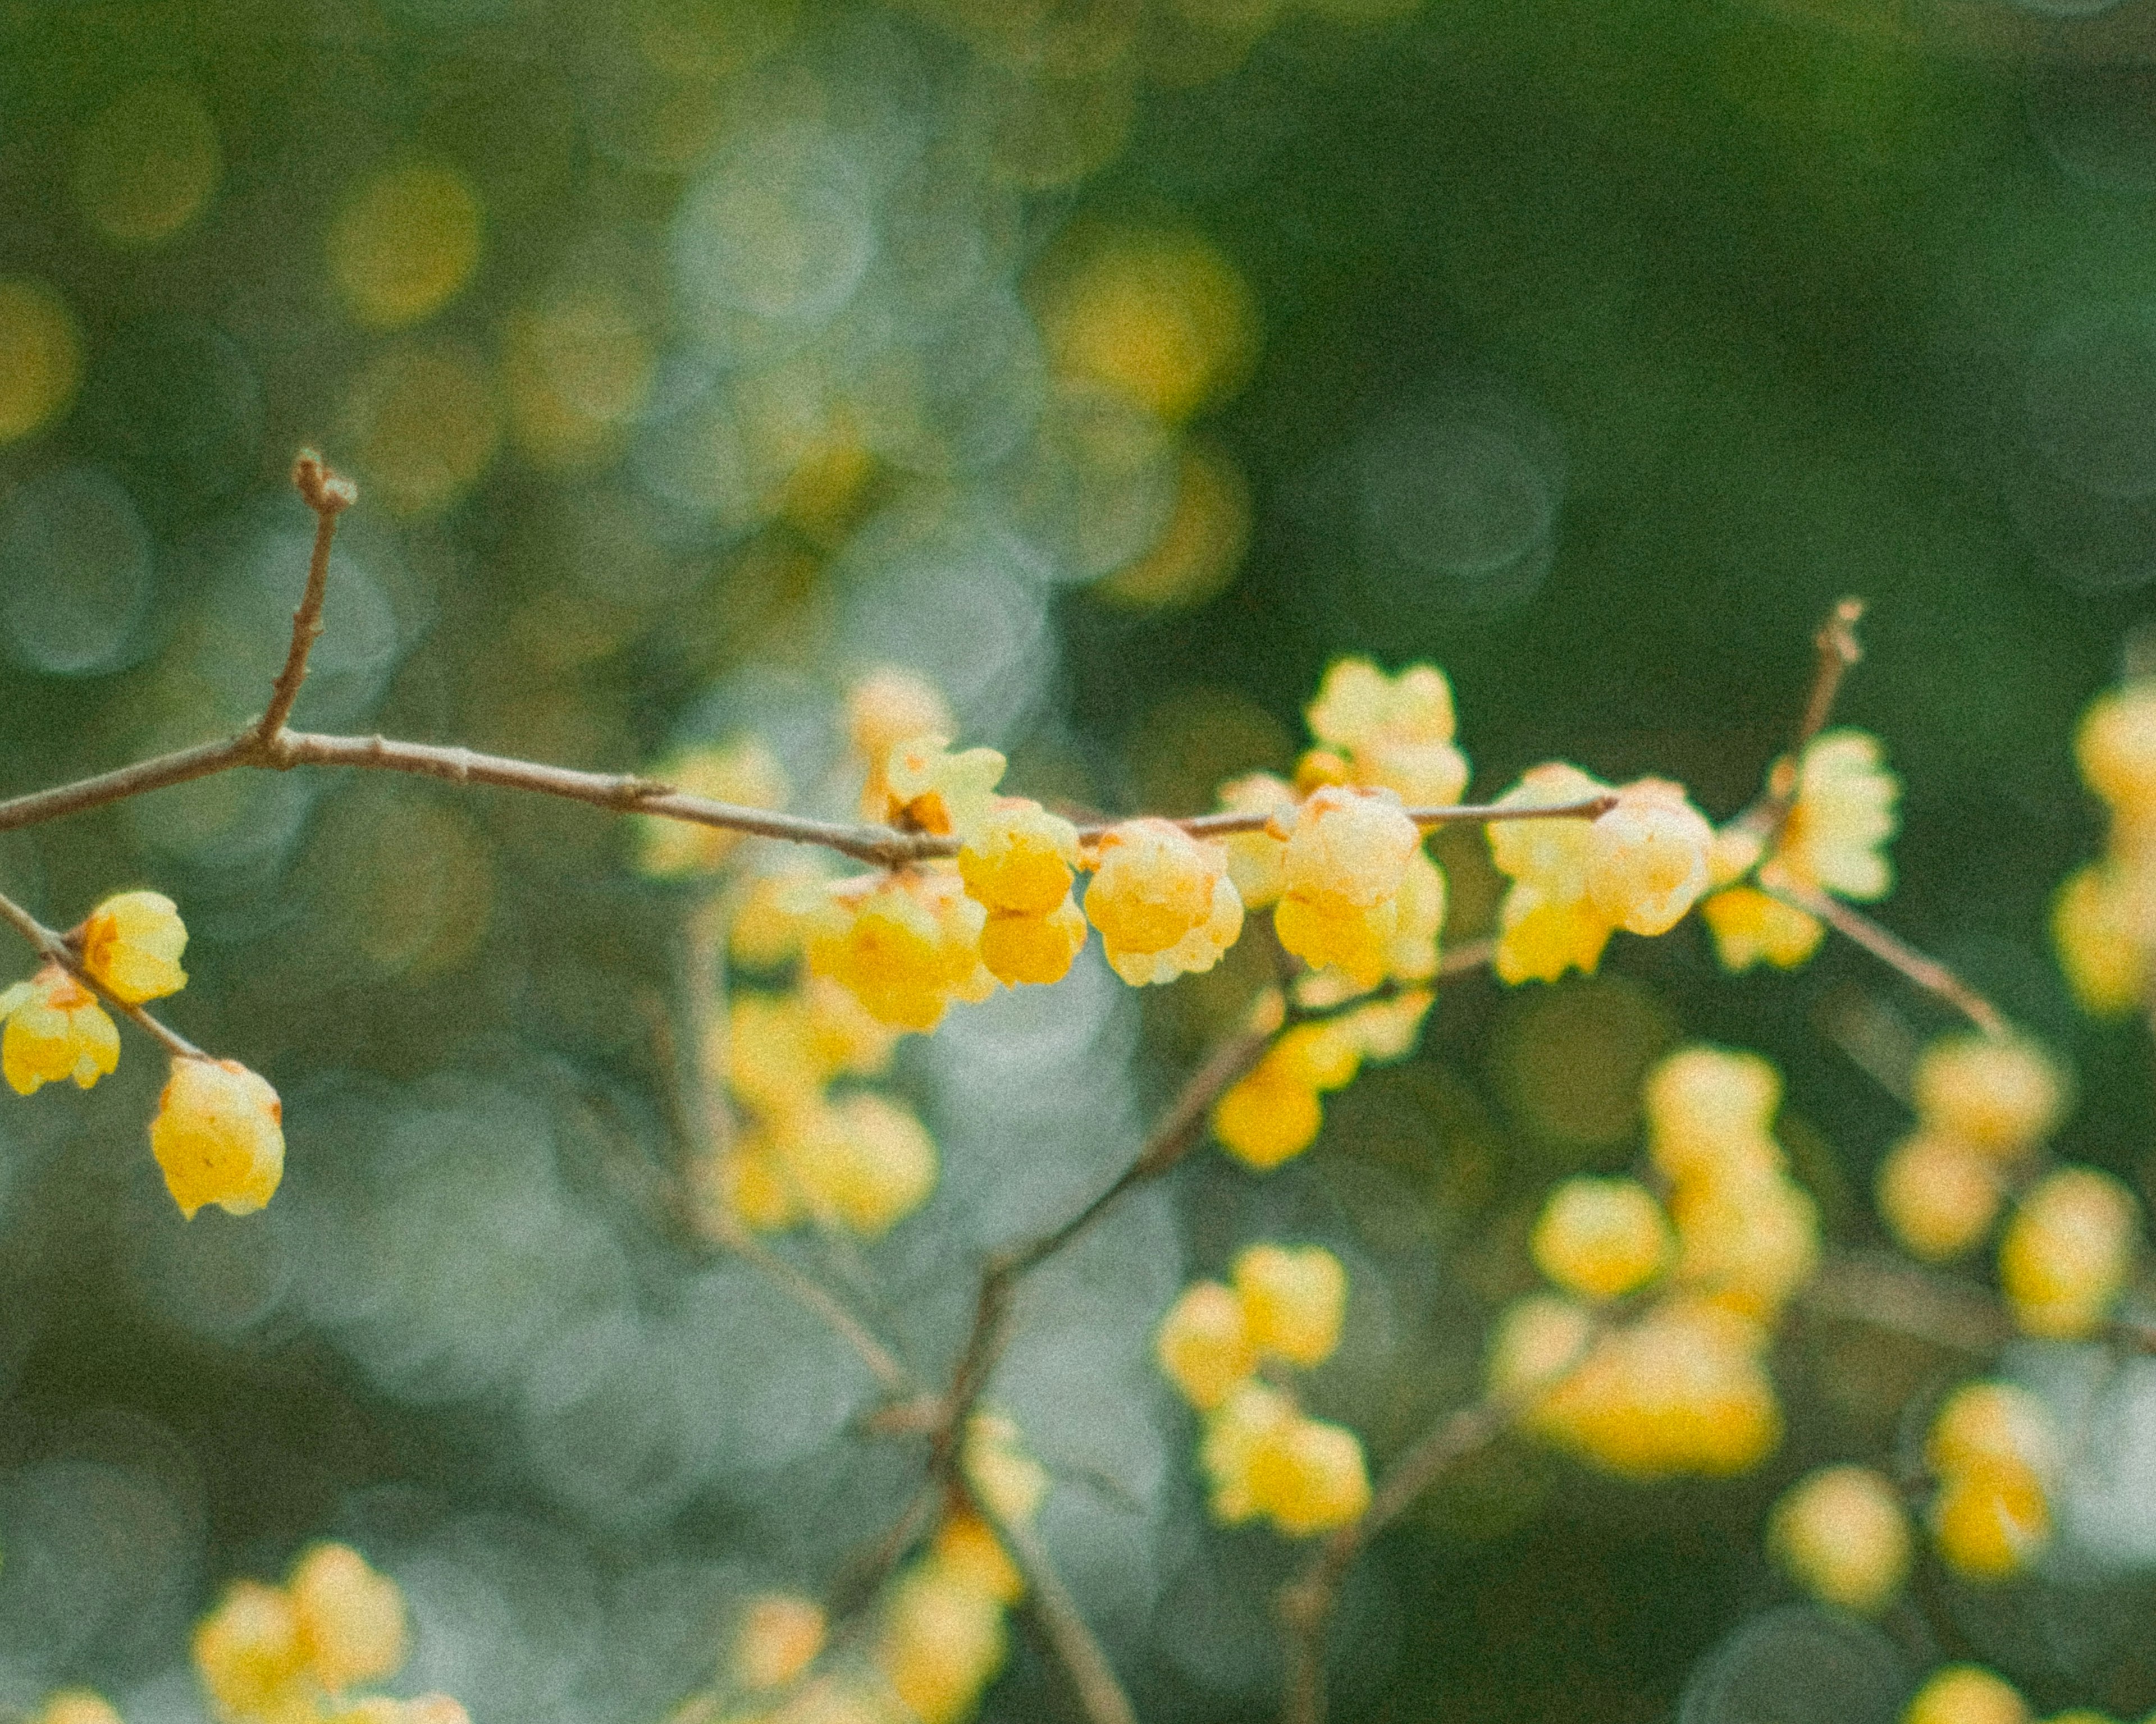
(1118, 363)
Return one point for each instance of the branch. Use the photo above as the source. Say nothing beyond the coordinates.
(1880, 1291)
(1306, 1602)
(54, 946)
(1099, 1695)
(1838, 651)
(1928, 973)
(329, 496)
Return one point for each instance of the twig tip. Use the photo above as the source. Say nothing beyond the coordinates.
(322, 491)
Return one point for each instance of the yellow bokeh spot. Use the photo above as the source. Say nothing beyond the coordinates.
(148, 164)
(422, 425)
(405, 243)
(1202, 546)
(1161, 317)
(40, 357)
(576, 371)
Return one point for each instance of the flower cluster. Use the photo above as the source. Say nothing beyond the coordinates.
(1832, 838)
(1682, 1386)
(217, 1134)
(1639, 867)
(1386, 733)
(1282, 1306)
(1274, 1111)
(1993, 1451)
(2103, 921)
(295, 1654)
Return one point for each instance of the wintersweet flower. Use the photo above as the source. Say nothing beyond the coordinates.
(744, 772)
(1345, 860)
(1547, 923)
(1705, 1105)
(934, 790)
(1750, 928)
(1310, 1476)
(218, 1135)
(1646, 859)
(1203, 1345)
(2116, 749)
(941, 1644)
(1273, 1112)
(351, 1618)
(1294, 1300)
(2068, 1252)
(1937, 1196)
(1163, 901)
(1396, 733)
(2098, 924)
(1992, 1446)
(2000, 1097)
(249, 1654)
(76, 1705)
(1601, 1238)
(55, 1030)
(1842, 1534)
(131, 945)
(863, 1163)
(905, 945)
(1254, 858)
(1967, 1694)
(886, 707)
(1018, 862)
(779, 1637)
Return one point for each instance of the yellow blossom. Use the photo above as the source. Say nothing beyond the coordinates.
(886, 707)
(967, 1549)
(1837, 828)
(1705, 1105)
(1747, 1234)
(218, 1135)
(1964, 1694)
(2100, 935)
(1203, 1344)
(1163, 901)
(1293, 1298)
(1310, 1476)
(864, 1162)
(1990, 1522)
(1536, 1342)
(1601, 1238)
(76, 1705)
(2116, 747)
(1750, 927)
(1842, 1534)
(351, 1618)
(934, 790)
(1547, 923)
(1341, 874)
(1998, 1095)
(1254, 858)
(1017, 862)
(1396, 731)
(250, 1655)
(1010, 1481)
(905, 945)
(2068, 1252)
(1647, 858)
(132, 946)
(779, 1637)
(55, 1030)
(744, 772)
(1272, 1112)
(941, 1643)
(1938, 1196)
(1239, 1429)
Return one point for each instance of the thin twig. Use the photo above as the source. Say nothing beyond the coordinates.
(1306, 1602)
(1928, 973)
(1839, 651)
(329, 496)
(54, 946)
(1101, 1695)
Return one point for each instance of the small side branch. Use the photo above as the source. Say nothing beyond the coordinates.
(1093, 1679)
(329, 496)
(1839, 652)
(1928, 973)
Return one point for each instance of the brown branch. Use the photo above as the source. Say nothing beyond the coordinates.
(1223, 825)
(329, 496)
(54, 947)
(1306, 1602)
(1101, 1695)
(1882, 1291)
(1839, 651)
(1928, 973)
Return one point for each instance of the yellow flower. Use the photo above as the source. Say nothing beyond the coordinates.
(1601, 1238)
(1964, 1694)
(1842, 817)
(351, 1618)
(1397, 732)
(1938, 1196)
(2099, 934)
(1342, 873)
(1254, 858)
(779, 1637)
(1536, 1342)
(1010, 1482)
(886, 707)
(1990, 1522)
(905, 945)
(1842, 1534)
(1547, 923)
(934, 790)
(1999, 1096)
(967, 1549)
(941, 1644)
(2068, 1252)
(76, 1705)
(1747, 1236)
(1987, 1423)
(744, 772)
(218, 1135)
(1647, 858)
(1163, 901)
(55, 1030)
(1294, 1298)
(1310, 1476)
(1272, 1112)
(250, 1656)
(2116, 745)
(1705, 1105)
(1750, 927)
(863, 1163)
(1019, 861)
(1203, 1345)
(132, 946)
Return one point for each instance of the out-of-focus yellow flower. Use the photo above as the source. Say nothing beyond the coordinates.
(1842, 1534)
(55, 1030)
(76, 1705)
(865, 1163)
(2068, 1252)
(1295, 1298)
(351, 1618)
(967, 1549)
(1647, 858)
(779, 1637)
(2000, 1096)
(218, 1135)
(1750, 927)
(1965, 1693)
(250, 1656)
(1203, 1345)
(1547, 924)
(1835, 836)
(1536, 1342)
(941, 1644)
(1008, 1480)
(2116, 748)
(743, 772)
(2098, 925)
(1704, 1103)
(1263, 1457)
(1163, 901)
(1938, 1196)
(1601, 1238)
(1993, 1448)
(885, 708)
(131, 944)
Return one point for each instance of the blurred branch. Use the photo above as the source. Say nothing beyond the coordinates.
(1839, 651)
(1880, 1291)
(1928, 973)
(54, 946)
(1306, 1602)
(1092, 1677)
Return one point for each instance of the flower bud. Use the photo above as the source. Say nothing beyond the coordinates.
(131, 945)
(218, 1135)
